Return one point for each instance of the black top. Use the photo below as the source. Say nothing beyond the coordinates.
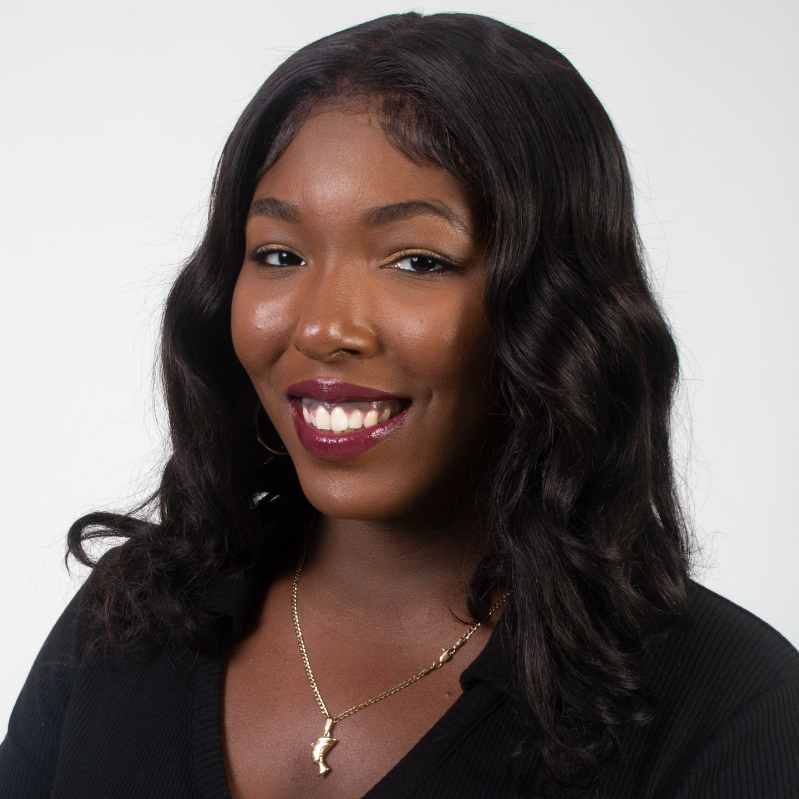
(726, 688)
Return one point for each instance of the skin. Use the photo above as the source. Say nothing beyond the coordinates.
(398, 534)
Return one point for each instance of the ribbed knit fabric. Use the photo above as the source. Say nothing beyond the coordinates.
(726, 689)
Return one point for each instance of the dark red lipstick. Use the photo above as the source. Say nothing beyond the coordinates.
(336, 391)
(342, 445)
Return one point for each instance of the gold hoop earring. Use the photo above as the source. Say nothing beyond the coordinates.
(258, 434)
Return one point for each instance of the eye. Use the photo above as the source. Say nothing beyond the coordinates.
(273, 256)
(420, 262)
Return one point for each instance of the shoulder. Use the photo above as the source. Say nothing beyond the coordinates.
(30, 749)
(80, 722)
(725, 691)
(724, 650)
(58, 660)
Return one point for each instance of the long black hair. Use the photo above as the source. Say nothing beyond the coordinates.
(584, 516)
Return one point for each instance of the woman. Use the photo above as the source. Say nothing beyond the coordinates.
(419, 533)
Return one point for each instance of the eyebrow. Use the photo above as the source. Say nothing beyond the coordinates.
(385, 214)
(374, 217)
(275, 209)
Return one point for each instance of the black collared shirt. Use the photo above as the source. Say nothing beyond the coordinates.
(726, 689)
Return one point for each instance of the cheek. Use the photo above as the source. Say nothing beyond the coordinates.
(448, 345)
(259, 325)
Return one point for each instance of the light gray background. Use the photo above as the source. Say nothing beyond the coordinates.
(113, 115)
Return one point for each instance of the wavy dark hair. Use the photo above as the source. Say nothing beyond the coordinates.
(584, 516)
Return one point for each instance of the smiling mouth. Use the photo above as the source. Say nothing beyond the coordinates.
(337, 421)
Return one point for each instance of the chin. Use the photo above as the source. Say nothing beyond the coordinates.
(341, 502)
(343, 497)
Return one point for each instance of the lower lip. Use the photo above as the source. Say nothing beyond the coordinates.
(341, 446)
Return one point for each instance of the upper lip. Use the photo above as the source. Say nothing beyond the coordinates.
(336, 391)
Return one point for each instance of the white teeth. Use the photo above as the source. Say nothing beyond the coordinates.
(356, 419)
(338, 420)
(349, 415)
(322, 419)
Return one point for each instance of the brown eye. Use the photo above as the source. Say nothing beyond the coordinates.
(279, 258)
(420, 263)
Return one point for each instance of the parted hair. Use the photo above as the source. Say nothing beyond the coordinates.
(583, 512)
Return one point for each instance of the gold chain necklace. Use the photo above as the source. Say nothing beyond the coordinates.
(322, 745)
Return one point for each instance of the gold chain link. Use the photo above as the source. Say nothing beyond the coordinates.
(446, 656)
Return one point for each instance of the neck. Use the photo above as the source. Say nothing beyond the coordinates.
(375, 562)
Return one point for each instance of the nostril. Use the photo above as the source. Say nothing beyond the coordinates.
(326, 344)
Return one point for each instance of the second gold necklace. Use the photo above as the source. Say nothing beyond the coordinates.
(322, 745)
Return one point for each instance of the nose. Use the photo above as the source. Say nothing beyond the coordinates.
(334, 319)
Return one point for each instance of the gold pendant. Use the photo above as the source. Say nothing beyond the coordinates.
(321, 746)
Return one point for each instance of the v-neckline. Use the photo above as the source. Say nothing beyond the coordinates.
(208, 762)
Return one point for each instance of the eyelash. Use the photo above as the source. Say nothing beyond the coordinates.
(439, 265)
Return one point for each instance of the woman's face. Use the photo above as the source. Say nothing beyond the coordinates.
(359, 316)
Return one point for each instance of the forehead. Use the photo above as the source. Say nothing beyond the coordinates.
(344, 159)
